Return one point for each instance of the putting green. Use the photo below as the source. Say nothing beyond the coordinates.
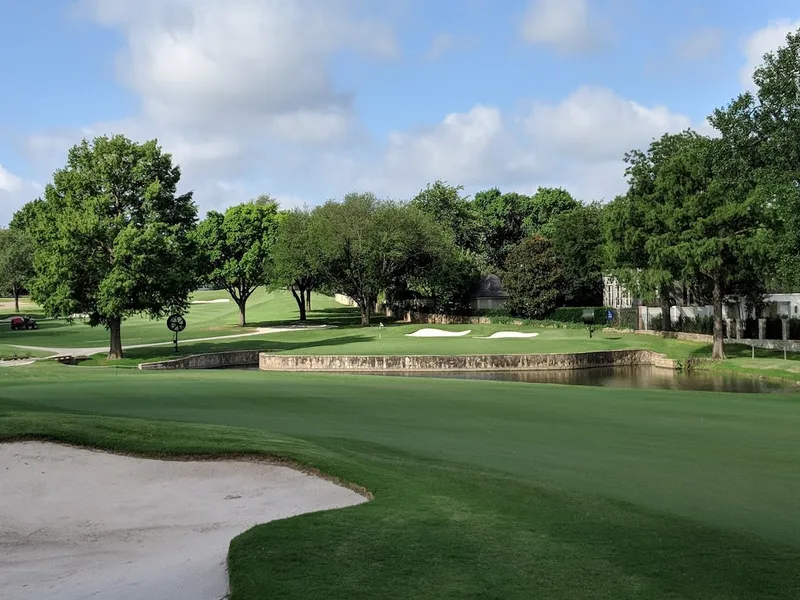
(482, 489)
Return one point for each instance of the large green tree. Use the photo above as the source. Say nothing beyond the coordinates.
(544, 207)
(368, 246)
(533, 278)
(16, 262)
(296, 258)
(237, 248)
(507, 219)
(716, 224)
(762, 131)
(577, 238)
(502, 223)
(445, 204)
(634, 221)
(112, 238)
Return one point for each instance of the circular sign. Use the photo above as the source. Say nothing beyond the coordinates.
(176, 323)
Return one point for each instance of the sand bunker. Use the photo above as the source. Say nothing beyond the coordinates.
(510, 334)
(437, 333)
(76, 523)
(217, 301)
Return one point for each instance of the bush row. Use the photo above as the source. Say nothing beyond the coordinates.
(625, 318)
(705, 325)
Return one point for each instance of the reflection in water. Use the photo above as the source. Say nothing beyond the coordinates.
(631, 377)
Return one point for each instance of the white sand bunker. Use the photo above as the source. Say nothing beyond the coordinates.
(437, 333)
(217, 301)
(510, 334)
(78, 524)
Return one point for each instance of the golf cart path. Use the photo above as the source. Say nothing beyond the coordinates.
(77, 523)
(57, 352)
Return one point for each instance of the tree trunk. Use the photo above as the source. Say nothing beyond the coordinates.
(666, 317)
(300, 298)
(16, 298)
(718, 352)
(365, 314)
(242, 313)
(115, 348)
(308, 298)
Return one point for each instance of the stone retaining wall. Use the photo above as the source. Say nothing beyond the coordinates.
(489, 362)
(216, 360)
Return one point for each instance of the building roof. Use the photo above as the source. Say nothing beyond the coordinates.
(489, 286)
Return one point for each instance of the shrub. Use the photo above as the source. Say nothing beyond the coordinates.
(572, 314)
(794, 329)
(775, 328)
(626, 318)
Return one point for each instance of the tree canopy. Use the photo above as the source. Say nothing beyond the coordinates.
(16, 262)
(534, 278)
(577, 238)
(296, 258)
(112, 238)
(368, 246)
(237, 248)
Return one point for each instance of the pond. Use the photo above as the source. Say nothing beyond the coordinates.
(627, 377)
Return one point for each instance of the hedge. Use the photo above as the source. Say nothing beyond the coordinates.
(574, 314)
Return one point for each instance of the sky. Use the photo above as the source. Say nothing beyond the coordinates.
(307, 100)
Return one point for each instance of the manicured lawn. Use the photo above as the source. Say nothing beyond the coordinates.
(203, 320)
(482, 489)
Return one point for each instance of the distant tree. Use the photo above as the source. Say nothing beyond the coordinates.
(16, 262)
(762, 130)
(237, 249)
(445, 204)
(533, 278)
(111, 237)
(634, 221)
(577, 238)
(502, 223)
(718, 224)
(296, 258)
(368, 246)
(507, 219)
(544, 207)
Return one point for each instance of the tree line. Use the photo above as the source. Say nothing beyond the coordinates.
(110, 237)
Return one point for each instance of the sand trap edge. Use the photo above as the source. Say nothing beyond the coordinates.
(430, 332)
(251, 457)
(509, 335)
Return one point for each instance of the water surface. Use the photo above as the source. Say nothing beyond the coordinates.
(626, 377)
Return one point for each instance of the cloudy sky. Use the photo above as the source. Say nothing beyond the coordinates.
(309, 99)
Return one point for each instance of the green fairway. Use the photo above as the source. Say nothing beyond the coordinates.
(203, 320)
(344, 335)
(482, 489)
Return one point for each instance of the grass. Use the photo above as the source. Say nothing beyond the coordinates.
(348, 338)
(8, 352)
(483, 490)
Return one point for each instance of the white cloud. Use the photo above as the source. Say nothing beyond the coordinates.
(593, 123)
(765, 40)
(578, 143)
(9, 182)
(264, 115)
(224, 64)
(567, 25)
(701, 44)
(14, 192)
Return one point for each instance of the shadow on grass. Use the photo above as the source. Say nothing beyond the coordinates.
(135, 356)
(744, 351)
(344, 317)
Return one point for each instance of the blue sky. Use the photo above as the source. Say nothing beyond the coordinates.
(309, 99)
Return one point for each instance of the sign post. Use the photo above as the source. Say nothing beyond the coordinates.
(176, 324)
